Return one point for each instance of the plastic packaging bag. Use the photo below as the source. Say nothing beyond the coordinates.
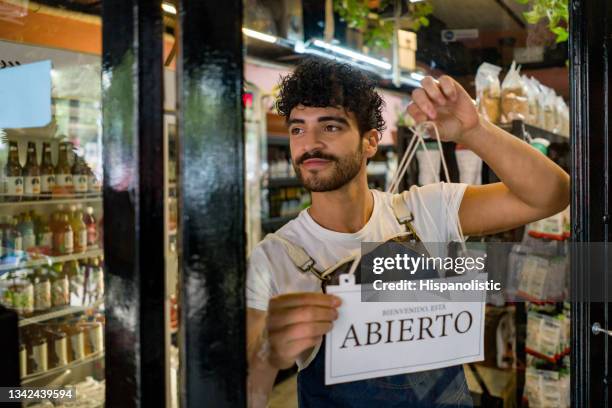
(488, 91)
(514, 103)
(532, 86)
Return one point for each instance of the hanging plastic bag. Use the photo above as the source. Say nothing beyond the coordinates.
(533, 89)
(488, 91)
(514, 103)
(429, 167)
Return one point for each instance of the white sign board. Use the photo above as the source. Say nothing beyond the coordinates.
(377, 339)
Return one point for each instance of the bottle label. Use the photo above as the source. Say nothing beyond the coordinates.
(97, 338)
(77, 342)
(47, 182)
(29, 241)
(61, 352)
(39, 358)
(23, 298)
(82, 240)
(14, 186)
(63, 180)
(18, 244)
(59, 292)
(94, 184)
(32, 185)
(42, 296)
(92, 235)
(68, 243)
(45, 241)
(80, 183)
(23, 362)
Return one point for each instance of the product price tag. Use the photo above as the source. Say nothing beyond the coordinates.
(377, 339)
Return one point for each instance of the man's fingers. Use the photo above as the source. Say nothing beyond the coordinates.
(448, 87)
(303, 299)
(432, 87)
(420, 98)
(301, 315)
(298, 331)
(417, 114)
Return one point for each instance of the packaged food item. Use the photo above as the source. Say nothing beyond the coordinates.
(514, 103)
(540, 144)
(36, 351)
(57, 346)
(488, 91)
(42, 291)
(532, 86)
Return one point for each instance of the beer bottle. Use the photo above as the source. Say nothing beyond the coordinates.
(80, 175)
(31, 174)
(44, 237)
(42, 291)
(92, 228)
(63, 172)
(47, 173)
(12, 173)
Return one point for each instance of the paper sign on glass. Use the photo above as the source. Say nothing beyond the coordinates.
(377, 339)
(25, 95)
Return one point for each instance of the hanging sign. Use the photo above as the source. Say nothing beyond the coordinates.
(377, 339)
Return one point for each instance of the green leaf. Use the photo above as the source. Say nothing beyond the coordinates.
(562, 36)
(424, 21)
(522, 1)
(532, 17)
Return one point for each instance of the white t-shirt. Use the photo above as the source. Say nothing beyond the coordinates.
(271, 272)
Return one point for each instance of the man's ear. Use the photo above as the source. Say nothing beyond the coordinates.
(370, 142)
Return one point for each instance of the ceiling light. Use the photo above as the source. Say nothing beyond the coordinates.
(168, 8)
(260, 36)
(352, 54)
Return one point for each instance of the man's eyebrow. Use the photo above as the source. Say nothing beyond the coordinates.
(292, 121)
(339, 119)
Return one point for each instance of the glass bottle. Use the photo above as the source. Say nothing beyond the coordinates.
(80, 175)
(13, 175)
(60, 286)
(63, 238)
(31, 174)
(92, 228)
(44, 236)
(26, 227)
(47, 173)
(63, 171)
(79, 230)
(42, 291)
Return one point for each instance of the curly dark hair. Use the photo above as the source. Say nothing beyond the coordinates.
(322, 83)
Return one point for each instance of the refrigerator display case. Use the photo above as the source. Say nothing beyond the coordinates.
(51, 223)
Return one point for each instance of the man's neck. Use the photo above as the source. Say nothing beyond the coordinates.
(347, 209)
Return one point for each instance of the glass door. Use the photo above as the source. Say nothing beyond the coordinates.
(51, 212)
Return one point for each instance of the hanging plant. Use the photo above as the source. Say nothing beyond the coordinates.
(556, 11)
(363, 15)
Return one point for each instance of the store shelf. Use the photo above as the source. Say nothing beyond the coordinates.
(49, 260)
(274, 223)
(278, 140)
(59, 313)
(57, 370)
(279, 182)
(65, 199)
(535, 131)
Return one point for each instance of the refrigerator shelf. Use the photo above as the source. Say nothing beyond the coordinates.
(56, 199)
(49, 260)
(68, 310)
(57, 370)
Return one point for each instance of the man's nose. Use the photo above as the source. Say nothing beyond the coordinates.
(311, 140)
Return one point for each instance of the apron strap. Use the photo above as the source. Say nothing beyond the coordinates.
(299, 257)
(403, 214)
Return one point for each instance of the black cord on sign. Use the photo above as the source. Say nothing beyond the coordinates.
(8, 64)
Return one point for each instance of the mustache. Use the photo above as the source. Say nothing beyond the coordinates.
(315, 155)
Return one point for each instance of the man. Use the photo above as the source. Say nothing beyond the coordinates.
(334, 118)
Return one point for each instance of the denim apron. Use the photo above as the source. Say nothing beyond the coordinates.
(445, 387)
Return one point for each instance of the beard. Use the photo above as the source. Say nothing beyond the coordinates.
(344, 169)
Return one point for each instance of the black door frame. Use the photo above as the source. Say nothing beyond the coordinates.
(590, 46)
(212, 262)
(132, 105)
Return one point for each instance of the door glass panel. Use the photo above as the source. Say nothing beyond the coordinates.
(514, 66)
(52, 264)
